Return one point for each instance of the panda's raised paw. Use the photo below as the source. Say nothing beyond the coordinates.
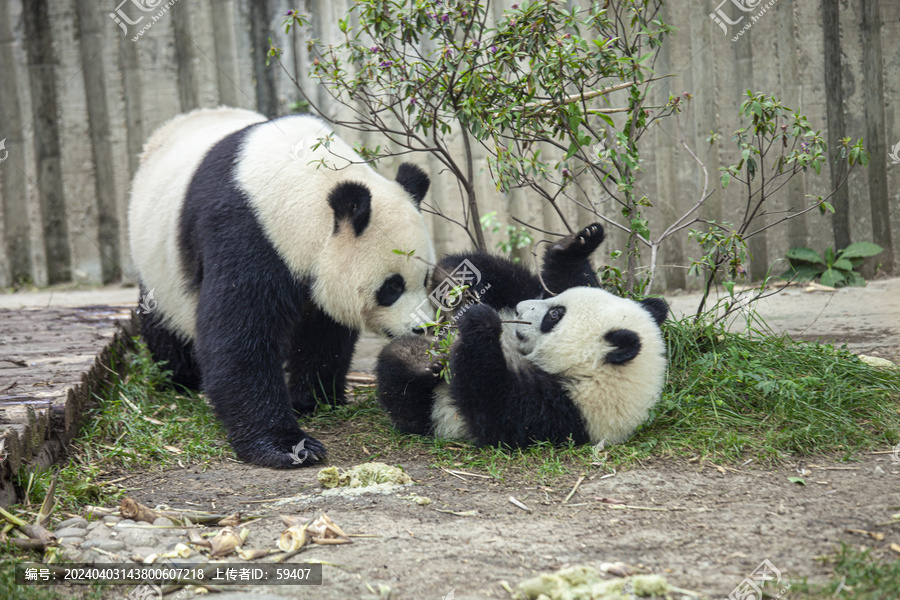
(480, 319)
(581, 244)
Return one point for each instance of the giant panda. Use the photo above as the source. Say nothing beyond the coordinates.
(266, 256)
(583, 365)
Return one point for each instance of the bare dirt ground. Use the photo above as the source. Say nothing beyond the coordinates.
(704, 527)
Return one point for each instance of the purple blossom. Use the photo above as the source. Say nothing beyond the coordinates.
(374, 48)
(476, 43)
(515, 6)
(493, 49)
(445, 18)
(412, 101)
(386, 63)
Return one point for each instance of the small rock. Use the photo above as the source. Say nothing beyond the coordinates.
(69, 532)
(164, 522)
(878, 470)
(140, 536)
(100, 533)
(111, 519)
(73, 522)
(124, 522)
(144, 551)
(71, 540)
(108, 545)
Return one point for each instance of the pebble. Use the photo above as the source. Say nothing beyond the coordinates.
(111, 519)
(69, 532)
(122, 522)
(70, 540)
(73, 522)
(108, 545)
(164, 522)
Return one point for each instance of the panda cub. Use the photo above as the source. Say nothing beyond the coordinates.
(266, 256)
(584, 365)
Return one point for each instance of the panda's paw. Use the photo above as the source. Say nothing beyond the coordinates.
(304, 452)
(480, 319)
(580, 245)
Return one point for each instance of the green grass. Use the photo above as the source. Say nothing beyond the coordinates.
(729, 397)
(736, 396)
(858, 574)
(10, 591)
(136, 418)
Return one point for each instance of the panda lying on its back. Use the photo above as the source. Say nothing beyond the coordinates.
(585, 365)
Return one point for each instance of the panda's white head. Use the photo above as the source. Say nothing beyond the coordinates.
(608, 352)
(372, 271)
(357, 236)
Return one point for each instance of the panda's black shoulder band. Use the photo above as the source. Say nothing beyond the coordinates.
(353, 202)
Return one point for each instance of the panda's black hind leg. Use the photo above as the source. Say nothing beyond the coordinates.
(165, 346)
(407, 377)
(319, 357)
(567, 262)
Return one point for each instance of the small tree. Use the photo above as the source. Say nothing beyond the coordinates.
(534, 90)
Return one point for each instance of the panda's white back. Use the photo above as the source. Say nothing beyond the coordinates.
(169, 160)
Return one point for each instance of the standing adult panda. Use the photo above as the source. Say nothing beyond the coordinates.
(266, 258)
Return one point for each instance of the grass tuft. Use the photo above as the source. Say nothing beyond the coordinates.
(139, 421)
(857, 574)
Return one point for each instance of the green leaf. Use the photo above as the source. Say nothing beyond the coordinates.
(803, 272)
(861, 250)
(797, 480)
(729, 286)
(832, 278)
(726, 179)
(843, 264)
(855, 279)
(829, 256)
(807, 255)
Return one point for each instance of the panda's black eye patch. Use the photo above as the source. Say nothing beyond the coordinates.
(627, 345)
(391, 290)
(551, 318)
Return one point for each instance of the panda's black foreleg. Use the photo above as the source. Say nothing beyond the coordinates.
(243, 334)
(320, 354)
(481, 384)
(407, 376)
(567, 262)
(167, 347)
(502, 405)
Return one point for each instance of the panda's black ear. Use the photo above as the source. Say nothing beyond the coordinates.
(627, 345)
(657, 308)
(351, 202)
(414, 181)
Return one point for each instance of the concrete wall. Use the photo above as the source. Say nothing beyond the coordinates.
(79, 94)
